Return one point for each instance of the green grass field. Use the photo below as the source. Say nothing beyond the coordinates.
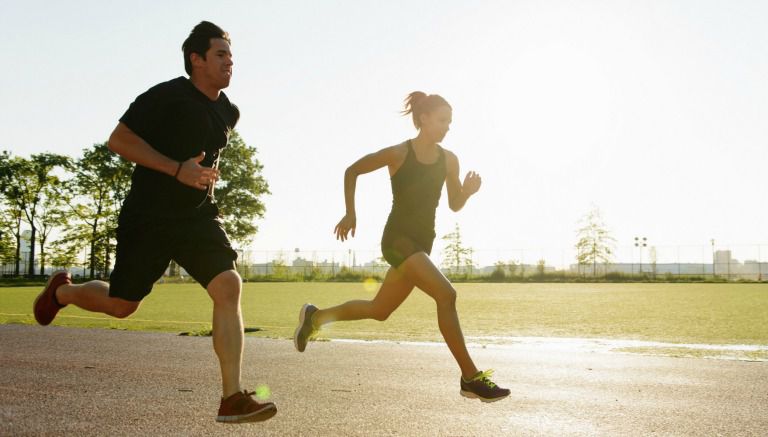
(676, 313)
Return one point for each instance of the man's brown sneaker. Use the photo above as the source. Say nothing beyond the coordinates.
(241, 408)
(46, 306)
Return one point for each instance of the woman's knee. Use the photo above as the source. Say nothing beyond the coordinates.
(445, 296)
(380, 313)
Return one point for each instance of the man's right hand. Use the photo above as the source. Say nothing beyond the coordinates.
(195, 175)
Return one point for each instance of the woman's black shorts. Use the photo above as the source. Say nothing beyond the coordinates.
(397, 245)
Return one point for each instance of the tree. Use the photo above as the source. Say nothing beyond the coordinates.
(10, 226)
(23, 182)
(7, 248)
(455, 255)
(239, 189)
(11, 212)
(595, 244)
(512, 266)
(100, 182)
(51, 216)
(64, 252)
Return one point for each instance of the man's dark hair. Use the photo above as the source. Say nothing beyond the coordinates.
(199, 41)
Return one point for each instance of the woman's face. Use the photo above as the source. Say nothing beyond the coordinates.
(435, 124)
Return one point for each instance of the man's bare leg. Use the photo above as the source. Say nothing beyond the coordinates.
(228, 335)
(94, 296)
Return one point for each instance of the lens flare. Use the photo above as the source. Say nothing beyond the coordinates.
(370, 285)
(263, 392)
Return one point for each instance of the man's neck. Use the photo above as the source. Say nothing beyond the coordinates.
(211, 92)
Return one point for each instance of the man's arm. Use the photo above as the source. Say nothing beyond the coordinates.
(132, 147)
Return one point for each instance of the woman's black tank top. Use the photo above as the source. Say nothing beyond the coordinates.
(416, 189)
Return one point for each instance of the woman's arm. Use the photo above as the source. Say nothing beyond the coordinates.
(389, 156)
(458, 193)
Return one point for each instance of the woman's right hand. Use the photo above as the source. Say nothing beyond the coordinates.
(347, 223)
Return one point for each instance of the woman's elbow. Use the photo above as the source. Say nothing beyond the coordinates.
(351, 173)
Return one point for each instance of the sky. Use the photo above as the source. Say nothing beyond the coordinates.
(652, 111)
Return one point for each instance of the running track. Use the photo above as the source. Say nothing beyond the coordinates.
(66, 381)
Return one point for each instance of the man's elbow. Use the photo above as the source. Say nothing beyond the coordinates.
(117, 140)
(113, 142)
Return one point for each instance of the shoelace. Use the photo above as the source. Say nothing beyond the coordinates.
(485, 378)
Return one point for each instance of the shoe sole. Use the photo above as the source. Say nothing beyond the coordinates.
(257, 416)
(471, 395)
(302, 317)
(47, 284)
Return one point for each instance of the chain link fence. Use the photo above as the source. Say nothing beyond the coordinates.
(724, 262)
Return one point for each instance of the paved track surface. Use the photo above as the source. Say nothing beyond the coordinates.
(65, 381)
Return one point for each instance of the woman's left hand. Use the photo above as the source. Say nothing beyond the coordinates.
(471, 184)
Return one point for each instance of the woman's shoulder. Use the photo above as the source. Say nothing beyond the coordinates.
(397, 151)
(448, 154)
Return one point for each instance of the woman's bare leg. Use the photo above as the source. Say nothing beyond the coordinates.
(419, 270)
(394, 290)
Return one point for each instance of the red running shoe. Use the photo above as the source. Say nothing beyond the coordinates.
(46, 306)
(240, 408)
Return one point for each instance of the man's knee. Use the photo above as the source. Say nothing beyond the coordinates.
(225, 287)
(123, 308)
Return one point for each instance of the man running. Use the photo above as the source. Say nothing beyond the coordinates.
(174, 132)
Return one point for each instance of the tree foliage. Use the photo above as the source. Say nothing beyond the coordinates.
(240, 189)
(100, 181)
(7, 246)
(51, 216)
(23, 183)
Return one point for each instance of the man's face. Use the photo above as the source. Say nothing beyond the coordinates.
(216, 68)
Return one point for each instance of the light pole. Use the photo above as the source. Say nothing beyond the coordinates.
(712, 241)
(641, 242)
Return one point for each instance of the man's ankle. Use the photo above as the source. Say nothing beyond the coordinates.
(57, 297)
(230, 392)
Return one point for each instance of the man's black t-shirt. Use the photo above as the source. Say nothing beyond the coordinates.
(179, 121)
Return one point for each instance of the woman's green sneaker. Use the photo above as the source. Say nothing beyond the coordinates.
(481, 387)
(305, 330)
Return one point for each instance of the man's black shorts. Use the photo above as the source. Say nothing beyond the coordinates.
(146, 246)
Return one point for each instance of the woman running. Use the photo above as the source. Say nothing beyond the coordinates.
(417, 168)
